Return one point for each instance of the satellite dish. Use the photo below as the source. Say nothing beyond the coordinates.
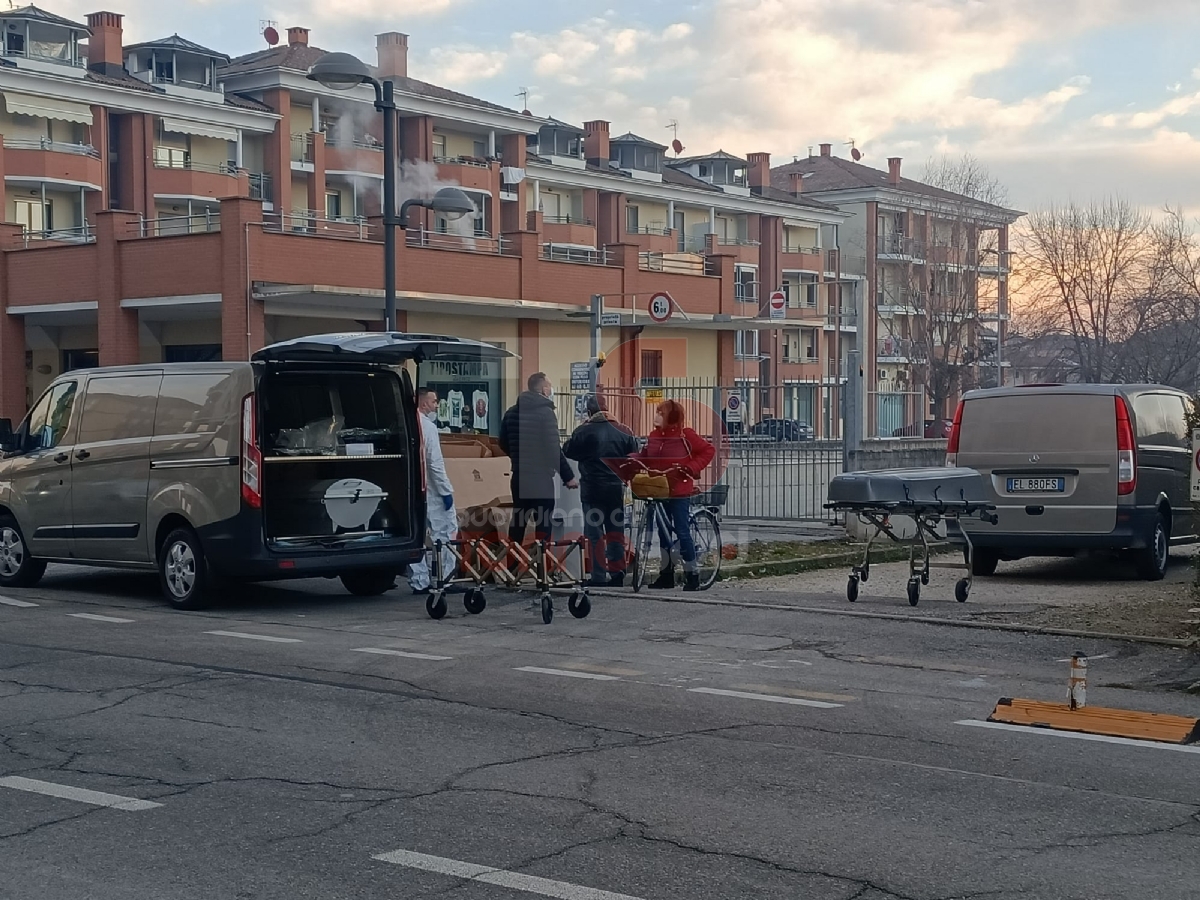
(677, 146)
(271, 35)
(856, 153)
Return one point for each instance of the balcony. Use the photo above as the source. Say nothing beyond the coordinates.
(467, 171)
(43, 159)
(898, 247)
(80, 234)
(312, 222)
(480, 242)
(804, 356)
(165, 226)
(837, 262)
(357, 157)
(901, 303)
(805, 259)
(569, 230)
(176, 174)
(573, 254)
(899, 350)
(746, 292)
(654, 237)
(261, 187)
(677, 263)
(302, 150)
(848, 319)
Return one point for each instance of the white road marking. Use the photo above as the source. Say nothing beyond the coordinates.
(515, 881)
(92, 617)
(20, 604)
(538, 670)
(66, 792)
(1080, 736)
(256, 637)
(404, 653)
(770, 698)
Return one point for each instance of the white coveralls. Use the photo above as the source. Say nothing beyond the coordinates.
(443, 523)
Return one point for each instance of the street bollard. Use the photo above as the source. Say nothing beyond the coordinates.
(1077, 683)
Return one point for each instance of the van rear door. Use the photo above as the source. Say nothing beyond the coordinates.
(380, 348)
(1048, 457)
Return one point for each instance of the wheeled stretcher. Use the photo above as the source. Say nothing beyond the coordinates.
(480, 562)
(927, 496)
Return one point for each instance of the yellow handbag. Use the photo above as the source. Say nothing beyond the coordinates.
(650, 487)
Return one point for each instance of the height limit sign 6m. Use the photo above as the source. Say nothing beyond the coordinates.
(661, 307)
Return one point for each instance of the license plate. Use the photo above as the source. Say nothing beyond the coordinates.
(1036, 485)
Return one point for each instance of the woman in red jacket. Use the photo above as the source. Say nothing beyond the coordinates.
(681, 454)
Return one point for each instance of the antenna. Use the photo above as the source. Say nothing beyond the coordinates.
(268, 28)
(676, 145)
(523, 93)
(855, 153)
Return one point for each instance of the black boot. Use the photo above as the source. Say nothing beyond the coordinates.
(691, 581)
(617, 580)
(665, 580)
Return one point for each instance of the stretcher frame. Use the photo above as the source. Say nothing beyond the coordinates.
(926, 515)
(507, 564)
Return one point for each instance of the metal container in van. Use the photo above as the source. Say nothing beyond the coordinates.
(1079, 467)
(305, 461)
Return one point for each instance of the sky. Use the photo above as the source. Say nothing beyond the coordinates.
(1060, 99)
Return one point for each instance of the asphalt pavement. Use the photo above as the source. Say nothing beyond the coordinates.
(294, 742)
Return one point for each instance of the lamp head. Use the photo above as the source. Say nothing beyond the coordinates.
(452, 203)
(340, 71)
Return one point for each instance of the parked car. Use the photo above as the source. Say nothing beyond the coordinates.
(783, 430)
(305, 461)
(1079, 467)
(933, 428)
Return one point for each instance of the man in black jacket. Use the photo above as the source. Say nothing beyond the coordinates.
(529, 435)
(595, 445)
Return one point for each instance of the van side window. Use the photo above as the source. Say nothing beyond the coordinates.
(48, 420)
(1160, 420)
(1175, 408)
(190, 404)
(119, 408)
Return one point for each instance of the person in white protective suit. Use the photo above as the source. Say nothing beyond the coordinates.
(439, 496)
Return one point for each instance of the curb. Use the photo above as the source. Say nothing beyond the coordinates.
(1014, 627)
(814, 563)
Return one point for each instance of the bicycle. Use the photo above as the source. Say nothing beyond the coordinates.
(705, 525)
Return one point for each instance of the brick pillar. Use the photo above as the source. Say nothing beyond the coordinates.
(527, 246)
(316, 178)
(243, 323)
(96, 201)
(135, 152)
(770, 274)
(117, 328)
(609, 224)
(13, 377)
(513, 154)
(416, 145)
(277, 155)
(528, 336)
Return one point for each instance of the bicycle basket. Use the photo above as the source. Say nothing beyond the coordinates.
(713, 498)
(650, 487)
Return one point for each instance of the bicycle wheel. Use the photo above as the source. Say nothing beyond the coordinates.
(706, 534)
(643, 543)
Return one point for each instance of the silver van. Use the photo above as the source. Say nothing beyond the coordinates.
(303, 462)
(1079, 467)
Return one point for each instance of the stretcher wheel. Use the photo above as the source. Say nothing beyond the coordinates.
(925, 578)
(961, 590)
(865, 573)
(435, 605)
(579, 604)
(914, 591)
(547, 609)
(475, 602)
(852, 589)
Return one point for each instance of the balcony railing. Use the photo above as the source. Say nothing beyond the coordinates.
(302, 148)
(657, 228)
(165, 226)
(480, 242)
(572, 254)
(899, 245)
(304, 221)
(462, 161)
(899, 349)
(680, 264)
(164, 161)
(567, 220)
(745, 292)
(52, 146)
(59, 53)
(80, 234)
(847, 317)
(805, 355)
(260, 186)
(903, 301)
(813, 251)
(737, 242)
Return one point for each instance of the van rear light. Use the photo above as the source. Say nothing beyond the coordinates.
(952, 441)
(251, 455)
(1126, 450)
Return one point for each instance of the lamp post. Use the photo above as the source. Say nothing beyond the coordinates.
(344, 72)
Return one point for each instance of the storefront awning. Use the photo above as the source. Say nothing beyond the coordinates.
(200, 129)
(47, 108)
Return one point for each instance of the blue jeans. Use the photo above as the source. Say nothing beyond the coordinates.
(679, 512)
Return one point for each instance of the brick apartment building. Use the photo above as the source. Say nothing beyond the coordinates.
(936, 267)
(165, 202)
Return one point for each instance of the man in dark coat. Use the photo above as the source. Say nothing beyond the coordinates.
(529, 435)
(596, 445)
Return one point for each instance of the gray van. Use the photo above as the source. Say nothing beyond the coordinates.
(303, 462)
(1079, 467)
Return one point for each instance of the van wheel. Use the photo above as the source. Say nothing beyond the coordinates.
(371, 583)
(182, 571)
(986, 562)
(17, 568)
(1151, 562)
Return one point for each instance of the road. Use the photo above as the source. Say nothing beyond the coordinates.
(297, 743)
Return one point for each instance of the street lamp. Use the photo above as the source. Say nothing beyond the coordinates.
(344, 72)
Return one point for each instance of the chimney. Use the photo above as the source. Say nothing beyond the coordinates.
(894, 170)
(795, 183)
(105, 53)
(595, 142)
(827, 149)
(391, 51)
(297, 37)
(760, 170)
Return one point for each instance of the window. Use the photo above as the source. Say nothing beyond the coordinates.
(119, 408)
(73, 360)
(172, 158)
(1160, 420)
(164, 70)
(652, 367)
(439, 146)
(333, 205)
(30, 214)
(49, 419)
(745, 284)
(746, 345)
(631, 220)
(481, 149)
(189, 404)
(189, 353)
(14, 42)
(703, 171)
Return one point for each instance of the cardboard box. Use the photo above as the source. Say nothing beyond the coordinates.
(478, 482)
(473, 446)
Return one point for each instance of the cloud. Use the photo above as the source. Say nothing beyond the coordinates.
(343, 12)
(1151, 118)
(456, 67)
